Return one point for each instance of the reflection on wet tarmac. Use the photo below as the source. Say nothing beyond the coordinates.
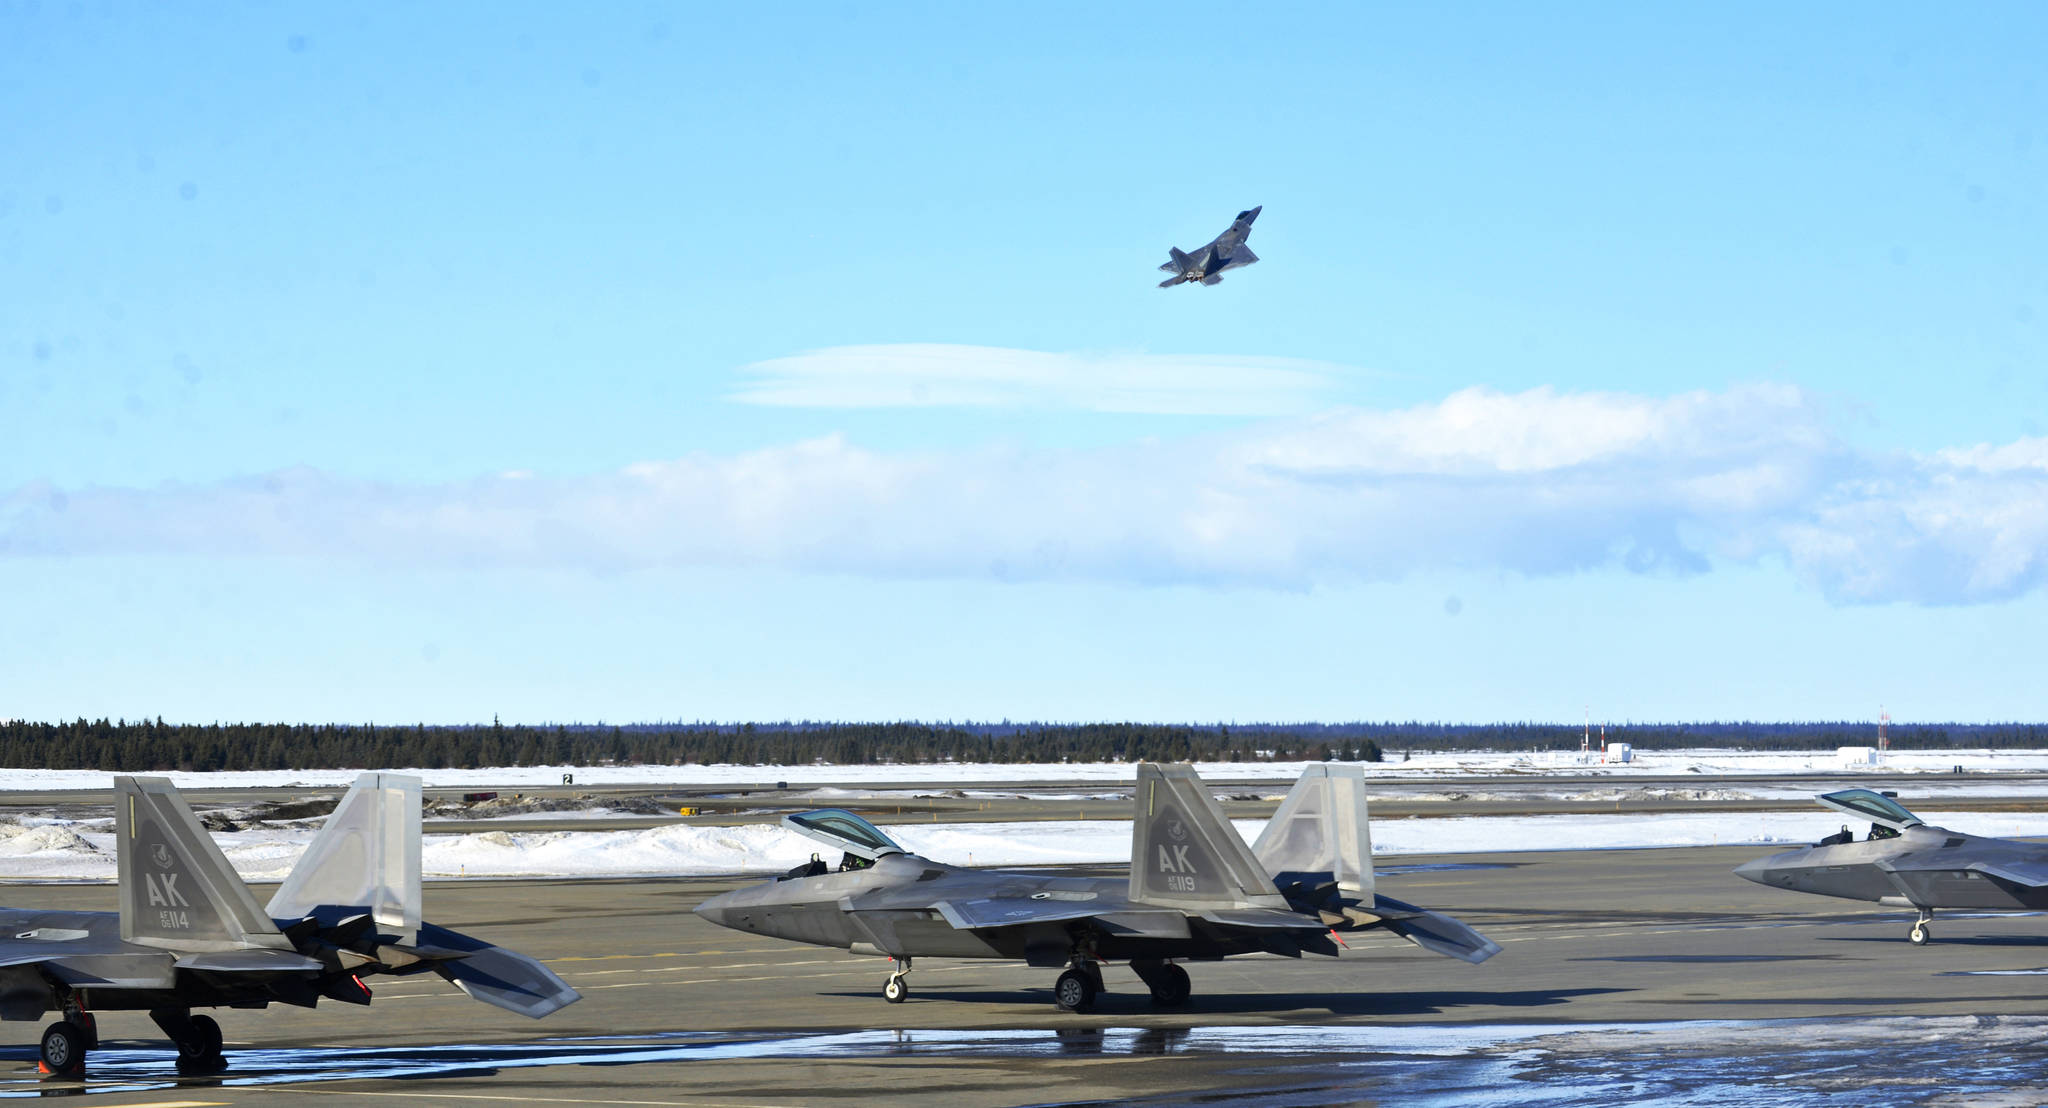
(1879, 1063)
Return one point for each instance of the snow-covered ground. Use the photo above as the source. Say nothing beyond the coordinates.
(1420, 767)
(56, 850)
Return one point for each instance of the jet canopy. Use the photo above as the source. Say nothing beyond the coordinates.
(841, 828)
(1875, 807)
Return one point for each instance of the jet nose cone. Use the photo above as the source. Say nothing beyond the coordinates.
(1757, 870)
(716, 909)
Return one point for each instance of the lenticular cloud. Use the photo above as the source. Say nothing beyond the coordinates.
(1538, 482)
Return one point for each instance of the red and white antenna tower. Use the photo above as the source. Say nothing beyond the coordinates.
(1884, 718)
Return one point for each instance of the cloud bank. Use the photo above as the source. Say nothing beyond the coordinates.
(1538, 482)
(933, 375)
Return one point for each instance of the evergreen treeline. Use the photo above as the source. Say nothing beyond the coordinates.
(153, 745)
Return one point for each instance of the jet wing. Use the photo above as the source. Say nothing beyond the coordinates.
(977, 915)
(1241, 256)
(2031, 874)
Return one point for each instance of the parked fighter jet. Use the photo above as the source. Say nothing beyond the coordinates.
(1225, 251)
(1195, 892)
(189, 933)
(1907, 863)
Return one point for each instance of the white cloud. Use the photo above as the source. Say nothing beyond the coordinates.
(933, 375)
(1537, 482)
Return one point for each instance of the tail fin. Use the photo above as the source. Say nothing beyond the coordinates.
(1185, 854)
(1320, 834)
(366, 857)
(1180, 260)
(177, 889)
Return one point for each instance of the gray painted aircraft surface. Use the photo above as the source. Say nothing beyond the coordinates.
(1905, 862)
(189, 933)
(1196, 892)
(1224, 252)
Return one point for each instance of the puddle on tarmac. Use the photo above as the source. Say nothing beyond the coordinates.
(1880, 1063)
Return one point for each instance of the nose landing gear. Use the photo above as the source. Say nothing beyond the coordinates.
(1919, 934)
(895, 990)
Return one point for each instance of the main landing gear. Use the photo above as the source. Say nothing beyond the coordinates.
(66, 1042)
(896, 989)
(1076, 989)
(1169, 983)
(1919, 934)
(197, 1037)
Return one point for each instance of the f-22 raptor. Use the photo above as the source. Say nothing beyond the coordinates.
(1224, 252)
(1907, 863)
(1196, 892)
(189, 933)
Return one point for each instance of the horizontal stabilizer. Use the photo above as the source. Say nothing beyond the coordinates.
(504, 978)
(1434, 931)
(1212, 280)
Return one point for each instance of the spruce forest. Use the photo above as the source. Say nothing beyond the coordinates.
(124, 746)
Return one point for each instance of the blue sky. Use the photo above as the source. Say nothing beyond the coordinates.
(660, 362)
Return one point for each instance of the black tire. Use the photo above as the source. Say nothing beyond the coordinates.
(205, 1042)
(63, 1051)
(895, 990)
(1919, 936)
(1170, 986)
(1074, 992)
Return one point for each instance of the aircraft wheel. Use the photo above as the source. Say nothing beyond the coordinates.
(63, 1053)
(1919, 935)
(1074, 992)
(1171, 987)
(895, 990)
(206, 1038)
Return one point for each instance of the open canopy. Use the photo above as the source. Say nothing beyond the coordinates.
(1875, 807)
(841, 828)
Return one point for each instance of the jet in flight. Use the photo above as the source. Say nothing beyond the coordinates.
(1225, 251)
(1195, 892)
(1905, 862)
(189, 933)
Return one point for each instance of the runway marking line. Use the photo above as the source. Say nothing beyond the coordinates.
(514, 1099)
(175, 1104)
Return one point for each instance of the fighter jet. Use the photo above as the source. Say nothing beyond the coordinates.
(1196, 892)
(189, 933)
(1907, 863)
(1225, 251)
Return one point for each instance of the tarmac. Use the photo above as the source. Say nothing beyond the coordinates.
(1622, 972)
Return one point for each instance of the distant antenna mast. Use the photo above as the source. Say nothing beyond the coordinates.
(1884, 719)
(1586, 737)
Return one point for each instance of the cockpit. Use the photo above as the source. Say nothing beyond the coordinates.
(860, 842)
(1887, 816)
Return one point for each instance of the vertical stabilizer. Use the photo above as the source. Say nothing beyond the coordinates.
(177, 889)
(1320, 834)
(1185, 854)
(366, 857)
